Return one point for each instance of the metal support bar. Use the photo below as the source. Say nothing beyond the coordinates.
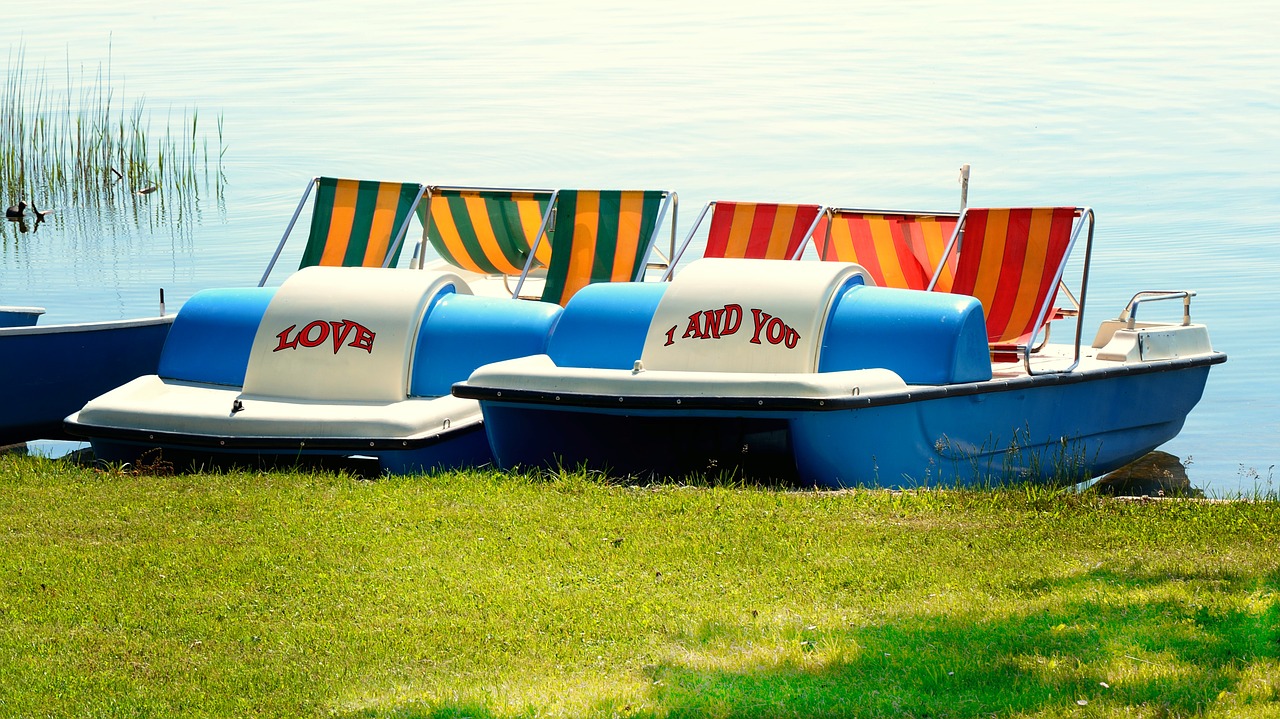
(542, 230)
(676, 255)
(287, 230)
(957, 236)
(822, 212)
(408, 218)
(1086, 215)
(671, 199)
(675, 211)
(426, 228)
(1130, 313)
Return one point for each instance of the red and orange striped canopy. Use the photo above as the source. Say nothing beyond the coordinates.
(760, 230)
(1011, 260)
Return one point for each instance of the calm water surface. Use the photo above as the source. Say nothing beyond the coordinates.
(1164, 120)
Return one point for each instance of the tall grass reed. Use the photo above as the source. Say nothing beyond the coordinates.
(84, 146)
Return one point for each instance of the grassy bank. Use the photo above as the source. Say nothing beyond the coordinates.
(488, 595)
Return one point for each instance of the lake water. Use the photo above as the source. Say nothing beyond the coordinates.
(1165, 119)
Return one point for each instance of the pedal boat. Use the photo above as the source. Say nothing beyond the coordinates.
(340, 367)
(806, 372)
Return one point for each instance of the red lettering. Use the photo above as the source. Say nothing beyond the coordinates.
(732, 321)
(694, 329)
(719, 323)
(305, 337)
(713, 318)
(340, 332)
(775, 331)
(285, 342)
(363, 339)
(760, 318)
(317, 331)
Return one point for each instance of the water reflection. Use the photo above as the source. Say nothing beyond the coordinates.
(21, 223)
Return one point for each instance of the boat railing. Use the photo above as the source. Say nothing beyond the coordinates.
(1086, 218)
(1130, 314)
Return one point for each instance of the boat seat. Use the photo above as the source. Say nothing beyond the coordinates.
(490, 231)
(927, 338)
(212, 336)
(599, 236)
(462, 332)
(354, 223)
(756, 230)
(1013, 261)
(898, 249)
(343, 334)
(604, 325)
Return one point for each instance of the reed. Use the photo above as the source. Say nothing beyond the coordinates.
(85, 146)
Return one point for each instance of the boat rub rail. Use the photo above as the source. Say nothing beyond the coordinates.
(180, 440)
(768, 403)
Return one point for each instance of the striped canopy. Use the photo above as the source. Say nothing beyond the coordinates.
(1012, 261)
(760, 230)
(601, 236)
(359, 223)
(897, 249)
(489, 231)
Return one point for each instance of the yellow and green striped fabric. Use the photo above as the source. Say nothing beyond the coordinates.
(354, 223)
(483, 230)
(600, 236)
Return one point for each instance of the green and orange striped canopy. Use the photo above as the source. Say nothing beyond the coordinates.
(600, 236)
(489, 231)
(358, 223)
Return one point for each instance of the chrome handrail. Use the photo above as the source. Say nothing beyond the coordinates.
(1130, 313)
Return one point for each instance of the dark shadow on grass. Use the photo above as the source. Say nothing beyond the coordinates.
(1108, 651)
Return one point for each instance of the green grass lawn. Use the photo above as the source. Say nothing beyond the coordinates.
(491, 595)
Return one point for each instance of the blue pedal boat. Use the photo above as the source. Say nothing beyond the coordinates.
(806, 372)
(339, 366)
(53, 370)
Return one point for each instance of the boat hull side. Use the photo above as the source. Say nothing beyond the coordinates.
(643, 444)
(1048, 433)
(53, 370)
(464, 447)
(1053, 434)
